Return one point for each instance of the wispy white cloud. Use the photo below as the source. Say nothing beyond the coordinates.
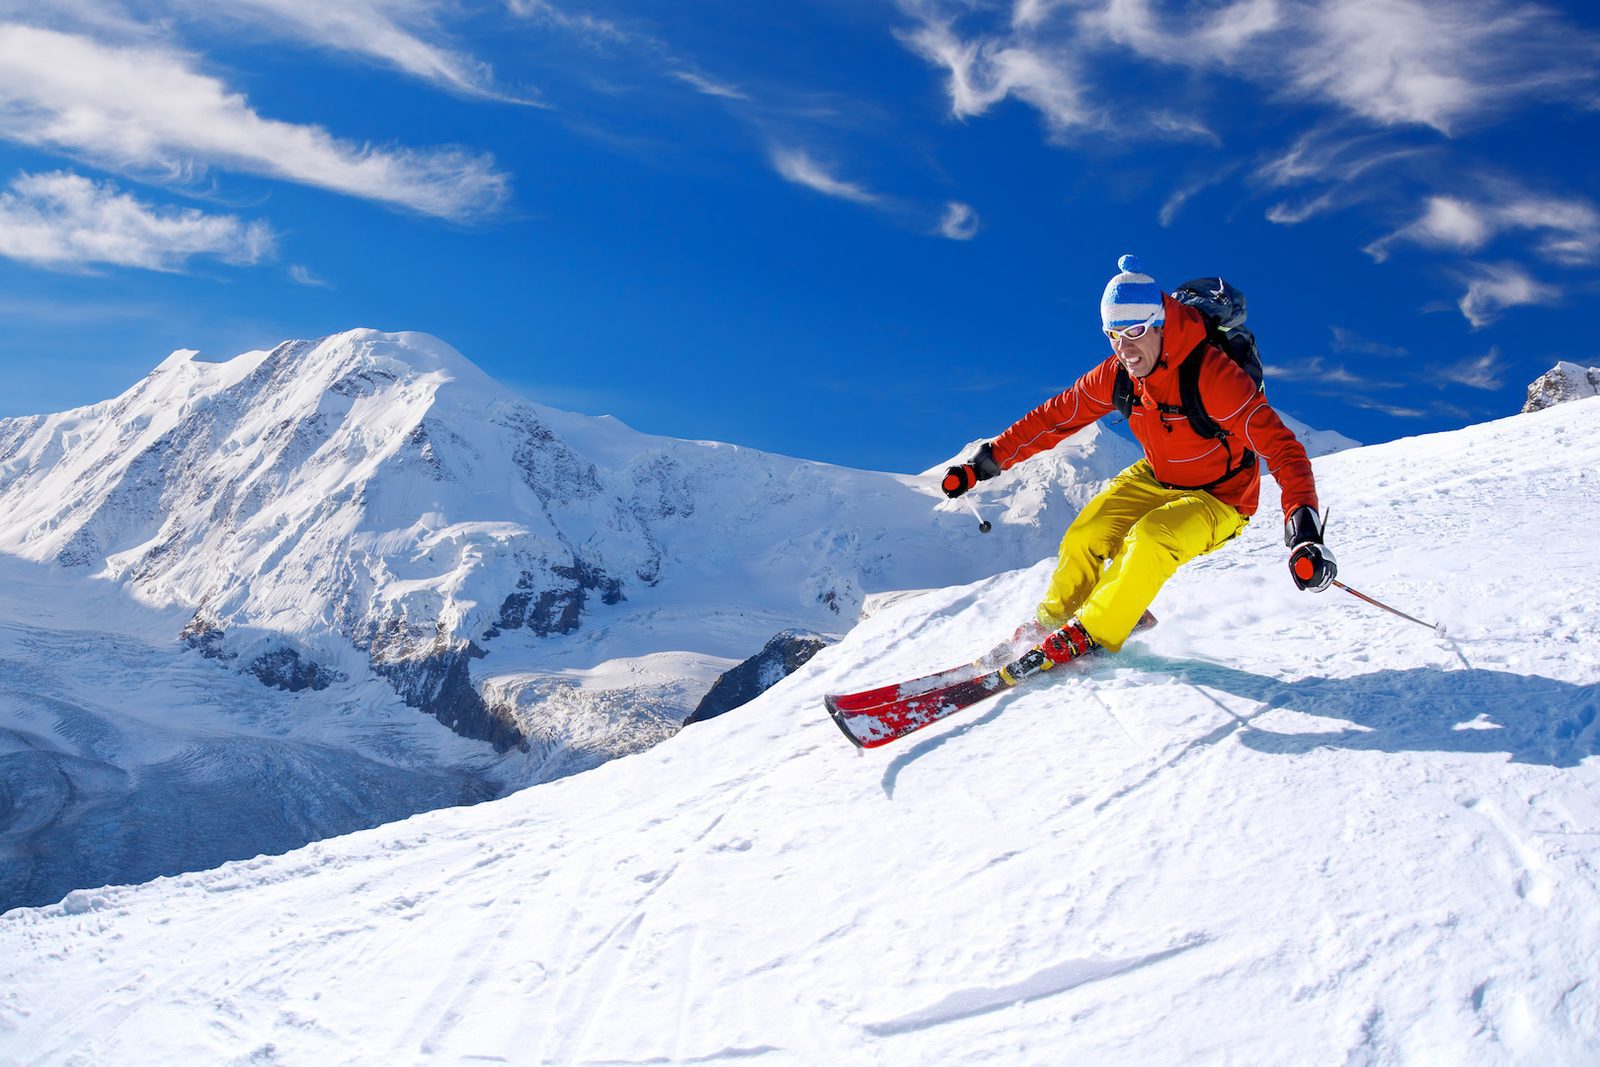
(102, 17)
(1569, 228)
(404, 34)
(1482, 372)
(1183, 127)
(67, 222)
(702, 84)
(302, 275)
(550, 14)
(1447, 223)
(1386, 62)
(1411, 62)
(1290, 214)
(1398, 411)
(982, 72)
(960, 222)
(401, 33)
(1178, 198)
(1320, 371)
(1028, 14)
(1043, 57)
(1329, 378)
(145, 109)
(1345, 340)
(798, 167)
(1212, 39)
(1336, 173)
(1341, 165)
(1422, 63)
(1494, 287)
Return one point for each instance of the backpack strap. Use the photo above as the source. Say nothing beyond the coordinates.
(1189, 393)
(1122, 397)
(1193, 407)
(1125, 399)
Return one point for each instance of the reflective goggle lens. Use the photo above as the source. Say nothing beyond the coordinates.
(1134, 332)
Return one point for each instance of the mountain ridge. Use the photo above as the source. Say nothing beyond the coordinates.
(321, 507)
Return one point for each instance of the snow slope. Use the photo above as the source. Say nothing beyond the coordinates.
(1280, 828)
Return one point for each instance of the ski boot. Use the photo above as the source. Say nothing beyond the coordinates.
(1067, 643)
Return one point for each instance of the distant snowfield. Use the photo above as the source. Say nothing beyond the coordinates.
(1279, 828)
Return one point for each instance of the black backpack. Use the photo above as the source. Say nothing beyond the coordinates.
(1223, 308)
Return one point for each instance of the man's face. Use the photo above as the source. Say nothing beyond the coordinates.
(1138, 354)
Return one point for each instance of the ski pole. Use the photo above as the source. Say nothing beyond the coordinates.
(1438, 627)
(983, 524)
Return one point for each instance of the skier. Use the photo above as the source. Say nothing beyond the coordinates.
(1189, 495)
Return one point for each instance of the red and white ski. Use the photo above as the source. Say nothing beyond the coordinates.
(875, 717)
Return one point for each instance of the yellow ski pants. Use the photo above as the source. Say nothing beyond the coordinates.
(1124, 545)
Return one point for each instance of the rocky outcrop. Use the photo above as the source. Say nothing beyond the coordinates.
(287, 669)
(431, 672)
(786, 653)
(551, 600)
(283, 667)
(1563, 382)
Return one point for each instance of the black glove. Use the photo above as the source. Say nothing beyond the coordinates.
(1311, 563)
(980, 468)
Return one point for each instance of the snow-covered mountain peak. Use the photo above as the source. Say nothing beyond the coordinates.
(319, 363)
(218, 460)
(1564, 382)
(374, 501)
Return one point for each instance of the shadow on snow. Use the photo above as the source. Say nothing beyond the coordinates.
(1423, 709)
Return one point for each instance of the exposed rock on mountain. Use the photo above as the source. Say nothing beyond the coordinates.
(1563, 382)
(786, 653)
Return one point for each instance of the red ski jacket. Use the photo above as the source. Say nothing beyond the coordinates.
(1179, 457)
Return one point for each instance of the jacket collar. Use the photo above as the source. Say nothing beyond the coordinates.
(1183, 330)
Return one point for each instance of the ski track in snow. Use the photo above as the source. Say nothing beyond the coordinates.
(1278, 828)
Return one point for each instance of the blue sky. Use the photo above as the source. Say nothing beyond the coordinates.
(862, 232)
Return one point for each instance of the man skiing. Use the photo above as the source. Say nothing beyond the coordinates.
(1188, 496)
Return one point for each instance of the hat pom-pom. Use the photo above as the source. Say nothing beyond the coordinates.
(1129, 265)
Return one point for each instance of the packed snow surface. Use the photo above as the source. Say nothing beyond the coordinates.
(1278, 828)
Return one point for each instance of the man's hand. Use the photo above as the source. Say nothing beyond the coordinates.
(1313, 567)
(1311, 563)
(980, 468)
(958, 480)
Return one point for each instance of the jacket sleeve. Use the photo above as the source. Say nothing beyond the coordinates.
(1234, 401)
(1057, 418)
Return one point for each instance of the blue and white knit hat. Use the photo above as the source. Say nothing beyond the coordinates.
(1130, 298)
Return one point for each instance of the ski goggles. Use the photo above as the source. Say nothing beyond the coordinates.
(1134, 332)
